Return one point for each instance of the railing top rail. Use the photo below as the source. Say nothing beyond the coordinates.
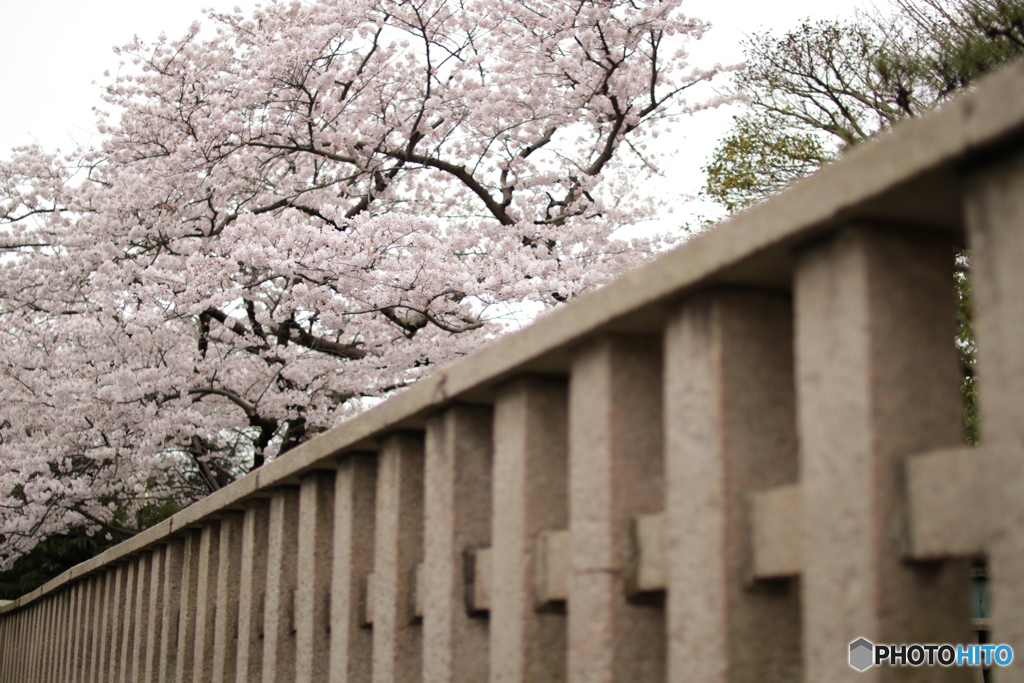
(911, 176)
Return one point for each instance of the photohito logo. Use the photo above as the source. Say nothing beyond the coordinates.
(865, 654)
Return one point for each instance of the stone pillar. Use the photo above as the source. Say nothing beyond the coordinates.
(91, 627)
(104, 627)
(995, 217)
(72, 658)
(354, 501)
(398, 548)
(531, 495)
(313, 592)
(458, 519)
(188, 607)
(616, 472)
(128, 624)
(279, 606)
(144, 587)
(206, 602)
(252, 591)
(154, 620)
(730, 429)
(174, 557)
(877, 380)
(229, 573)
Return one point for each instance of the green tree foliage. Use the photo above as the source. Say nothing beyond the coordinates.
(51, 558)
(957, 41)
(826, 86)
(60, 552)
(759, 158)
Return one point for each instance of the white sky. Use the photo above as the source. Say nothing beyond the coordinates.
(56, 51)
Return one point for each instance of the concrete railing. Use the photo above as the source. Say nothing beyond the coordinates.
(725, 466)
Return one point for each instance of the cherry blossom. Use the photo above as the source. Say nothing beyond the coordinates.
(301, 210)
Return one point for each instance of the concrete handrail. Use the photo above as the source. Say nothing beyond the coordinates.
(627, 488)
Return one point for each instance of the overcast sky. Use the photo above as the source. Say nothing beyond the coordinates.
(56, 51)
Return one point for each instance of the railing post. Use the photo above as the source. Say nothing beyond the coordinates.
(150, 667)
(42, 609)
(313, 591)
(61, 668)
(20, 632)
(531, 495)
(64, 632)
(30, 641)
(878, 380)
(458, 518)
(995, 217)
(24, 641)
(616, 472)
(64, 666)
(252, 590)
(101, 646)
(282, 567)
(127, 627)
(229, 575)
(50, 637)
(127, 630)
(189, 606)
(206, 602)
(398, 549)
(32, 644)
(730, 429)
(12, 646)
(44, 637)
(351, 645)
(39, 636)
(144, 585)
(57, 643)
(111, 616)
(6, 646)
(94, 615)
(50, 607)
(73, 663)
(90, 627)
(58, 634)
(174, 556)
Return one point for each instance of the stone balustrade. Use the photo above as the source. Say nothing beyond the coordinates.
(725, 466)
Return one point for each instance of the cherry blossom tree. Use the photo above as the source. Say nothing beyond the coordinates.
(302, 210)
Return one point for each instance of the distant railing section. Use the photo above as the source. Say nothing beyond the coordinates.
(726, 466)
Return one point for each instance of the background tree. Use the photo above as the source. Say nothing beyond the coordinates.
(307, 208)
(826, 86)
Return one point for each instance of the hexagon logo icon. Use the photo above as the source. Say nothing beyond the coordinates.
(861, 654)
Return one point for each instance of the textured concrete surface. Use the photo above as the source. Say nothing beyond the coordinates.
(457, 506)
(282, 578)
(229, 571)
(315, 550)
(615, 473)
(777, 522)
(531, 497)
(553, 567)
(397, 635)
(351, 646)
(877, 380)
(730, 428)
(252, 590)
(867, 537)
(995, 214)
